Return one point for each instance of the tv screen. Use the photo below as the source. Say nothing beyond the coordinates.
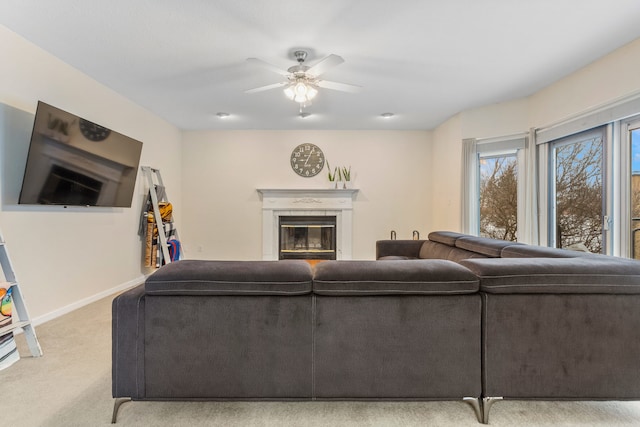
(75, 162)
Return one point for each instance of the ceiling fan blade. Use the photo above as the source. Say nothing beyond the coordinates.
(261, 63)
(267, 87)
(322, 66)
(344, 87)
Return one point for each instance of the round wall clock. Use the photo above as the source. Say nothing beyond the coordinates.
(307, 160)
(93, 131)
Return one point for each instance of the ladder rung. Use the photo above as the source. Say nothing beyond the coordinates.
(14, 326)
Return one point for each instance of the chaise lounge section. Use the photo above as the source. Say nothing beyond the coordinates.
(557, 324)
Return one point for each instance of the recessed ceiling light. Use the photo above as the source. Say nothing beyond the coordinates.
(222, 115)
(387, 115)
(304, 115)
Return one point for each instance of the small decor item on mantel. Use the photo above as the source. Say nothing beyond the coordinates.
(339, 181)
(340, 177)
(331, 176)
(346, 175)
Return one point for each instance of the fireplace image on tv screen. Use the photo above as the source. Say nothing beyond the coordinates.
(75, 162)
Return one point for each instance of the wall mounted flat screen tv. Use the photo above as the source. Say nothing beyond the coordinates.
(75, 162)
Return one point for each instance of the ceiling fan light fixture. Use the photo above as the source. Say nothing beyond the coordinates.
(303, 82)
(289, 92)
(302, 90)
(311, 92)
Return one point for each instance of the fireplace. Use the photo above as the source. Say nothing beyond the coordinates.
(324, 203)
(307, 237)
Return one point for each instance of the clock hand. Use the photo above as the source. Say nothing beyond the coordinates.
(309, 156)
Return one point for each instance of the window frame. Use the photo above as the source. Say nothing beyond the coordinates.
(495, 155)
(622, 227)
(602, 132)
(492, 147)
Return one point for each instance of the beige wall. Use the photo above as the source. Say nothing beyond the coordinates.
(614, 76)
(604, 81)
(223, 169)
(65, 258)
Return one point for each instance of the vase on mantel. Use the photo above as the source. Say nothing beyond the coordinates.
(339, 185)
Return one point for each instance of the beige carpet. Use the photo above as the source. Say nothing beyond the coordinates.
(71, 386)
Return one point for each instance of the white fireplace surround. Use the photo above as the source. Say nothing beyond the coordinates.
(307, 202)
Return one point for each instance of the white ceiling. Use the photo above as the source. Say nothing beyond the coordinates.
(424, 60)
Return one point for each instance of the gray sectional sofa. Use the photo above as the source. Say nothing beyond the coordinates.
(556, 324)
(451, 317)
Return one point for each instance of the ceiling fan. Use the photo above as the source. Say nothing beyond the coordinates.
(303, 82)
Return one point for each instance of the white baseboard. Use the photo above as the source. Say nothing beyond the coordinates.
(78, 304)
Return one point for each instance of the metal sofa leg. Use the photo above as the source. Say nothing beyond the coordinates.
(487, 402)
(119, 401)
(476, 405)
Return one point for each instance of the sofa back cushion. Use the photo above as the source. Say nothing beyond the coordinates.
(445, 237)
(393, 277)
(532, 251)
(582, 275)
(198, 277)
(434, 250)
(458, 255)
(398, 249)
(483, 245)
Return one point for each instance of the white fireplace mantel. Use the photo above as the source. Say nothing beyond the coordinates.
(312, 202)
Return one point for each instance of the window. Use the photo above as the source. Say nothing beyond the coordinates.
(634, 196)
(578, 182)
(493, 187)
(499, 196)
(577, 194)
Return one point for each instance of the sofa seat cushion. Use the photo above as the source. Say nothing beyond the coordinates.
(393, 277)
(198, 277)
(584, 275)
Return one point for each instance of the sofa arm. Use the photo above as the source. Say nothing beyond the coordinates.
(398, 249)
(127, 350)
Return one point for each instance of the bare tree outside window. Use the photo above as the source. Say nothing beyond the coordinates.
(635, 192)
(499, 197)
(579, 195)
(635, 213)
